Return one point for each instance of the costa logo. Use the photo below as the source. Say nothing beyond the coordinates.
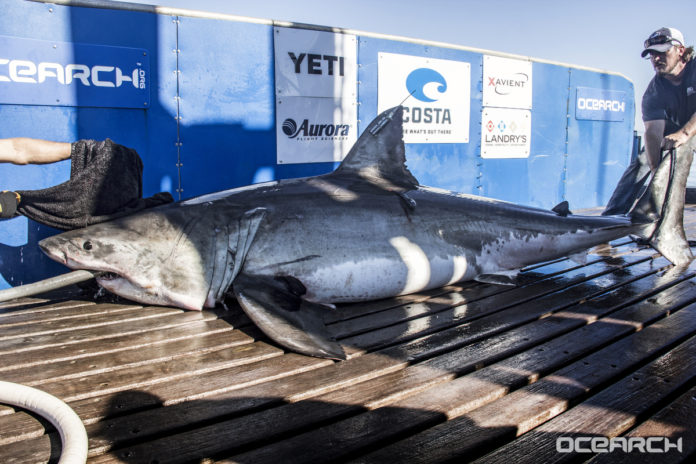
(426, 85)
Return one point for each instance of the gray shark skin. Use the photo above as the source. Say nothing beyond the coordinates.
(288, 250)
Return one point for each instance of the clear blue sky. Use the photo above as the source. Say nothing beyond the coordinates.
(604, 34)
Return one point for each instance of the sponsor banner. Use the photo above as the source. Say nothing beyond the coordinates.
(507, 83)
(315, 64)
(314, 129)
(42, 72)
(435, 94)
(506, 133)
(600, 104)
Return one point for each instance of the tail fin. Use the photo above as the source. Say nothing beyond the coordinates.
(661, 207)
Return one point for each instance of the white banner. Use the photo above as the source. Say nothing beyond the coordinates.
(505, 133)
(315, 64)
(316, 95)
(507, 83)
(314, 129)
(437, 110)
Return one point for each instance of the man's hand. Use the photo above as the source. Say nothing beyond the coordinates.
(675, 140)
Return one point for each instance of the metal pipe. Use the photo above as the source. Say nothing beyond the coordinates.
(46, 285)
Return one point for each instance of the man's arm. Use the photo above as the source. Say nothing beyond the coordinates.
(653, 141)
(22, 150)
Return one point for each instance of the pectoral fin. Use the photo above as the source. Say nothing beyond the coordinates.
(276, 306)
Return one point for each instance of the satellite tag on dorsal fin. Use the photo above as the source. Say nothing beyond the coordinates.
(379, 156)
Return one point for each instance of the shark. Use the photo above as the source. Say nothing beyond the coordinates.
(290, 250)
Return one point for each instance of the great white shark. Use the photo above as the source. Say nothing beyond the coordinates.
(289, 250)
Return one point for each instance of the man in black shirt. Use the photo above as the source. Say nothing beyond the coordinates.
(669, 102)
(669, 111)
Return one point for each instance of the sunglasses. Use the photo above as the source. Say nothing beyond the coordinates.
(659, 40)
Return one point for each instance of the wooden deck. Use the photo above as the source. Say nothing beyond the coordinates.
(466, 372)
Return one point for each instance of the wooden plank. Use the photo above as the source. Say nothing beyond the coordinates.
(30, 330)
(17, 427)
(115, 330)
(528, 407)
(676, 421)
(27, 304)
(45, 449)
(43, 307)
(466, 393)
(244, 387)
(113, 362)
(250, 386)
(610, 412)
(141, 376)
(76, 312)
(136, 341)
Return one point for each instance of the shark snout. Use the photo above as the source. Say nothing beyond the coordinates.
(52, 248)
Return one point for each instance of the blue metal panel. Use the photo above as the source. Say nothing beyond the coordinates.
(145, 130)
(598, 151)
(227, 121)
(449, 166)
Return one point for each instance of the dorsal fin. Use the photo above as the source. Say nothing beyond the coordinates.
(379, 156)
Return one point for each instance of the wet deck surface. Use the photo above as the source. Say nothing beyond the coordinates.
(466, 372)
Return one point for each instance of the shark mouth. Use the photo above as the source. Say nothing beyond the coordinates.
(108, 276)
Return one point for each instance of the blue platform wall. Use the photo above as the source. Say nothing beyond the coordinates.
(210, 122)
(597, 150)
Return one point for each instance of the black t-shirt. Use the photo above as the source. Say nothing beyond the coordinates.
(673, 103)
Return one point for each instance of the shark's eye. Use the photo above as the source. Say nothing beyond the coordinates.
(87, 245)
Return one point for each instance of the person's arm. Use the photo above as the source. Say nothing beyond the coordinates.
(653, 141)
(22, 150)
(681, 136)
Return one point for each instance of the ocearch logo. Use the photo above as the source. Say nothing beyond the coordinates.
(425, 84)
(658, 445)
(597, 104)
(29, 72)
